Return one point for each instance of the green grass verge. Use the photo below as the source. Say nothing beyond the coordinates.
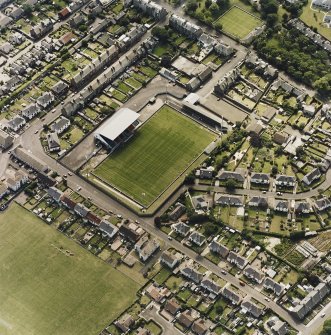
(46, 291)
(159, 152)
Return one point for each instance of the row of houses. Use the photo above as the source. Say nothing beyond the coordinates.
(88, 72)
(149, 7)
(315, 37)
(110, 74)
(103, 225)
(314, 298)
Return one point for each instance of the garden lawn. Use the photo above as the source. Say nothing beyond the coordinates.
(162, 149)
(44, 290)
(238, 23)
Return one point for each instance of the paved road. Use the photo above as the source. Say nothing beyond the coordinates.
(167, 327)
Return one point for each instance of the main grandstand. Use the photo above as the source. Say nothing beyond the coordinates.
(118, 129)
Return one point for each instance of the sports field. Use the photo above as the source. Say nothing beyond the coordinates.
(238, 23)
(159, 152)
(44, 290)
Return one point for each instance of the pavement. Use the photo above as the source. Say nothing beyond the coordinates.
(153, 314)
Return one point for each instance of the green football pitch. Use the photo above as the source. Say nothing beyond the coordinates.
(159, 152)
(44, 290)
(238, 23)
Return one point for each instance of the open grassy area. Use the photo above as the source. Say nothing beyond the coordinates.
(238, 23)
(314, 18)
(160, 151)
(47, 290)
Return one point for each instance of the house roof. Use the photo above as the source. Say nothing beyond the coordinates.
(199, 327)
(108, 228)
(172, 306)
(116, 124)
(186, 319)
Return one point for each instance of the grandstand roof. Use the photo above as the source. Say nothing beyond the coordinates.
(116, 125)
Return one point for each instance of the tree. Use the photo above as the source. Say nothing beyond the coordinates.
(255, 141)
(166, 60)
(157, 222)
(323, 85)
(210, 229)
(326, 328)
(271, 19)
(274, 170)
(27, 10)
(208, 3)
(279, 150)
(300, 151)
(161, 33)
(230, 185)
(269, 6)
(214, 9)
(191, 6)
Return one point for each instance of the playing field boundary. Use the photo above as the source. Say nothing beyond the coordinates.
(131, 199)
(227, 33)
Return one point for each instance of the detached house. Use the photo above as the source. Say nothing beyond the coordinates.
(45, 100)
(16, 123)
(210, 286)
(258, 202)
(190, 273)
(281, 206)
(252, 308)
(310, 177)
(227, 200)
(169, 259)
(302, 207)
(270, 284)
(172, 306)
(185, 318)
(219, 249)
(199, 327)
(231, 295)
(322, 204)
(283, 180)
(53, 142)
(254, 274)
(181, 228)
(178, 211)
(236, 259)
(146, 248)
(30, 111)
(197, 238)
(260, 178)
(60, 125)
(226, 175)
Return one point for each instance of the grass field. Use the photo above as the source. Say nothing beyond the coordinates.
(45, 291)
(238, 23)
(159, 152)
